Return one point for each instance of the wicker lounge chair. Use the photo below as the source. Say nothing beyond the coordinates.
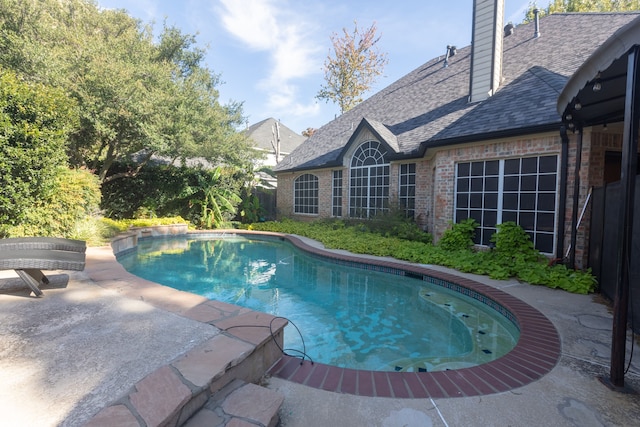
(28, 256)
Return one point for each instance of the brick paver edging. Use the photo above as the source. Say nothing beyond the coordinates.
(536, 353)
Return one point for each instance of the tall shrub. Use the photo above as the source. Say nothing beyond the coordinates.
(74, 197)
(35, 121)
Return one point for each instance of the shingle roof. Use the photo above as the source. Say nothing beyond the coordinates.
(261, 134)
(429, 106)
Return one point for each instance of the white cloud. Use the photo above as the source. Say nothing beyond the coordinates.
(274, 27)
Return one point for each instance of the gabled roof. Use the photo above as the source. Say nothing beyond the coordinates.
(261, 134)
(429, 106)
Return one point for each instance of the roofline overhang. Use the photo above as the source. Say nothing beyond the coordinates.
(484, 137)
(426, 145)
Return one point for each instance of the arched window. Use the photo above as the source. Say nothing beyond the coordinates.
(305, 194)
(368, 181)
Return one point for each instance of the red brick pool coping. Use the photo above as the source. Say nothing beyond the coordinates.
(536, 353)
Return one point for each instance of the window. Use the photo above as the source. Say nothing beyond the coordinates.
(407, 190)
(520, 190)
(305, 194)
(336, 196)
(368, 181)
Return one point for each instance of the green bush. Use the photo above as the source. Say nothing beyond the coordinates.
(513, 244)
(514, 255)
(74, 197)
(35, 122)
(204, 197)
(459, 236)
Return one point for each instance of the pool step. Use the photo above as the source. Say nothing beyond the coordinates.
(219, 375)
(239, 403)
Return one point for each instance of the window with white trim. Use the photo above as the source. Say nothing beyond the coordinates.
(522, 190)
(407, 189)
(336, 194)
(305, 194)
(368, 181)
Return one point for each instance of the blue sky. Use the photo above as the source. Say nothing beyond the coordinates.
(270, 53)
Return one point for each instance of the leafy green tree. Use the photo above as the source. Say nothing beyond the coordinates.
(562, 6)
(353, 68)
(136, 96)
(34, 124)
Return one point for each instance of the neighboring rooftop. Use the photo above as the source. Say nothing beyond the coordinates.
(262, 134)
(429, 107)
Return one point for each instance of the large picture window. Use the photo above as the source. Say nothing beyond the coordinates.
(336, 194)
(521, 190)
(407, 189)
(368, 181)
(305, 194)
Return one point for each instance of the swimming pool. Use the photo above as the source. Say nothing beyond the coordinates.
(350, 316)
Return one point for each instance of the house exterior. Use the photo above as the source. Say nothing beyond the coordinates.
(474, 133)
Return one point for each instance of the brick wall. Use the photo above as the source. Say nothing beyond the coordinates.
(435, 183)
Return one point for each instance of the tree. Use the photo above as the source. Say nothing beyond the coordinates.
(562, 6)
(353, 68)
(308, 132)
(135, 96)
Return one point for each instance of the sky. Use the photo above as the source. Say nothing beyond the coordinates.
(270, 53)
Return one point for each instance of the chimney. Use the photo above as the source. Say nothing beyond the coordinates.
(486, 49)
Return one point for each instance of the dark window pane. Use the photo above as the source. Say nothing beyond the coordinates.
(476, 200)
(545, 222)
(547, 202)
(486, 235)
(491, 184)
(492, 167)
(512, 166)
(530, 165)
(511, 183)
(548, 164)
(462, 201)
(528, 183)
(509, 216)
(510, 201)
(491, 201)
(527, 202)
(477, 215)
(490, 218)
(547, 183)
(477, 169)
(463, 169)
(527, 220)
(463, 184)
(476, 184)
(461, 214)
(544, 243)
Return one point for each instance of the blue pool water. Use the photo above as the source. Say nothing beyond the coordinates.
(348, 316)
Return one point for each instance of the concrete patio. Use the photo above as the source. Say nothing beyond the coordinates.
(84, 347)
